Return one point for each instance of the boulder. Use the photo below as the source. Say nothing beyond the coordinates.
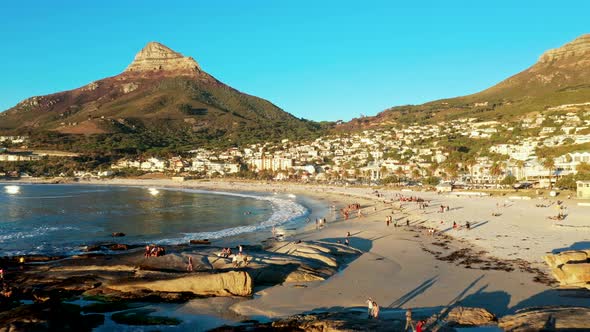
(556, 260)
(570, 268)
(576, 273)
(173, 262)
(322, 253)
(467, 316)
(118, 246)
(207, 242)
(549, 319)
(233, 283)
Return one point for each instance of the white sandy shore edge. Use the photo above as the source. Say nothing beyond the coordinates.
(397, 273)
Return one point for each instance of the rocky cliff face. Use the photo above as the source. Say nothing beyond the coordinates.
(157, 57)
(579, 47)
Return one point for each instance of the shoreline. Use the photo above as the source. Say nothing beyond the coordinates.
(403, 267)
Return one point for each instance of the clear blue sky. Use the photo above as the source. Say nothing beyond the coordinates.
(321, 60)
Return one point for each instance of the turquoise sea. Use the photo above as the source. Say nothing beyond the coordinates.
(62, 219)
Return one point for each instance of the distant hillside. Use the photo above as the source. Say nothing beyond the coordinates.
(163, 100)
(561, 76)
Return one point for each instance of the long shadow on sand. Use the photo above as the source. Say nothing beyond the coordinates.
(413, 293)
(479, 224)
(355, 242)
(583, 245)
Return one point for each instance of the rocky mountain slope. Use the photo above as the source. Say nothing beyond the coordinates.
(560, 76)
(163, 99)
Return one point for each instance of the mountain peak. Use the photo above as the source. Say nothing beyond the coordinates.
(155, 57)
(576, 48)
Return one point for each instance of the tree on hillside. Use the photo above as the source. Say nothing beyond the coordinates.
(549, 164)
(451, 170)
(399, 172)
(416, 174)
(496, 171)
(432, 168)
(583, 171)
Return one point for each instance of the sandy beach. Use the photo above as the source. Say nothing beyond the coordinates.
(496, 265)
(404, 267)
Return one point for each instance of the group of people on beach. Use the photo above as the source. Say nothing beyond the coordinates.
(373, 313)
(410, 323)
(225, 253)
(444, 208)
(351, 208)
(403, 198)
(154, 251)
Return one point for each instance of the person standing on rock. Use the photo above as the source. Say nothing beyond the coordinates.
(375, 310)
(409, 324)
(369, 307)
(189, 266)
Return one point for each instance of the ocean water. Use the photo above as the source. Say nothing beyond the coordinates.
(61, 219)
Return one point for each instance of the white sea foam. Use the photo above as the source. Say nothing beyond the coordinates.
(284, 210)
(36, 232)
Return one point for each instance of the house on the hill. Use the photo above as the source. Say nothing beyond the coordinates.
(444, 187)
(583, 190)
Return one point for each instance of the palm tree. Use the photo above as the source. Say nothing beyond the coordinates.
(399, 172)
(451, 170)
(549, 164)
(496, 171)
(416, 174)
(520, 165)
(384, 172)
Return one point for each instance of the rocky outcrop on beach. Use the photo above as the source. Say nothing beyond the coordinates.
(465, 316)
(356, 320)
(547, 319)
(131, 276)
(48, 317)
(535, 319)
(324, 321)
(571, 268)
(232, 283)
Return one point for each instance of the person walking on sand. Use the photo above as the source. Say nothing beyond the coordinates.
(375, 310)
(420, 326)
(409, 325)
(369, 307)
